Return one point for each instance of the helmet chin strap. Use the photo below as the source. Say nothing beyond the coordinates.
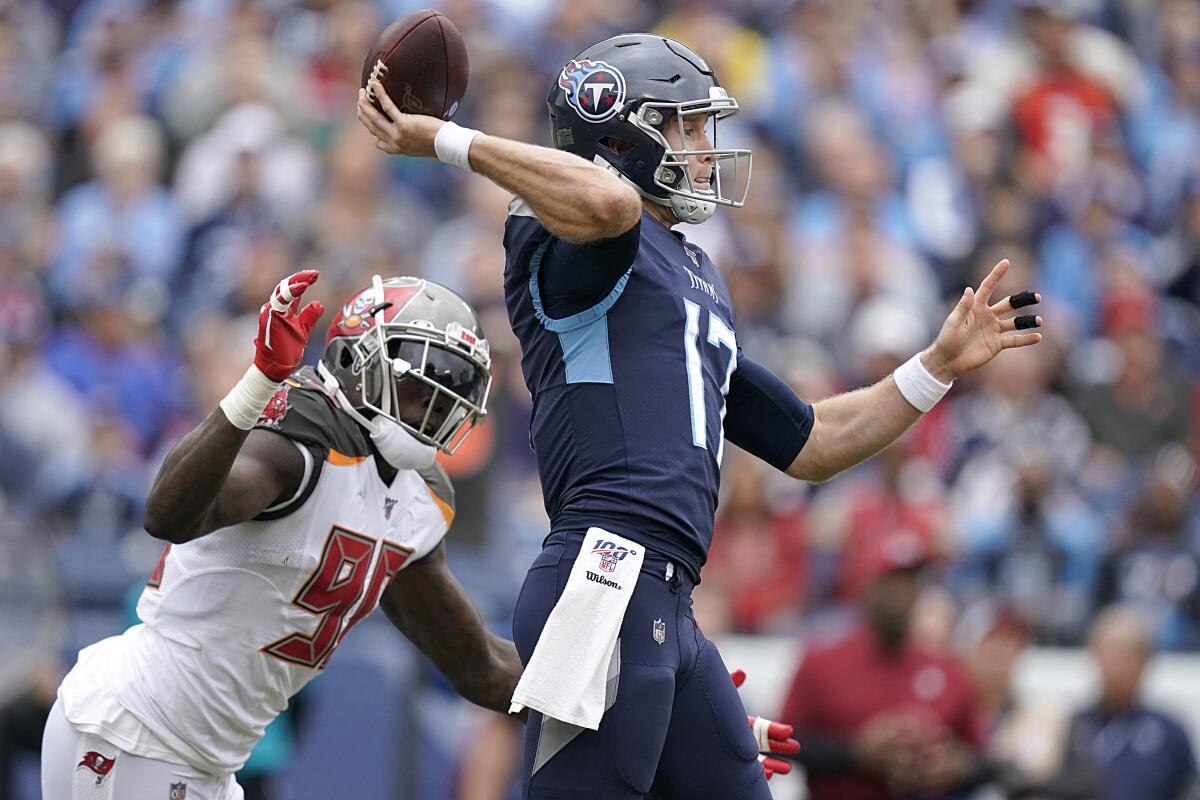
(334, 387)
(685, 209)
(691, 210)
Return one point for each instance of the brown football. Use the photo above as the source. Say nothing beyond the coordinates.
(421, 61)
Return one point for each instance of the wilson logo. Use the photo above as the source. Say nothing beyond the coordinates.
(603, 581)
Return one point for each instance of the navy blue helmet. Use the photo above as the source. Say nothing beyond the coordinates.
(612, 103)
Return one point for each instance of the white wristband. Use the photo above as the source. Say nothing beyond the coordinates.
(919, 388)
(245, 402)
(452, 144)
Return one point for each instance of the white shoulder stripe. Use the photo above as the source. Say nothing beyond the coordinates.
(308, 471)
(519, 208)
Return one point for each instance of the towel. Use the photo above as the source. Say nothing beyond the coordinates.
(566, 675)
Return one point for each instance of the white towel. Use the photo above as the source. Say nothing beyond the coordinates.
(567, 672)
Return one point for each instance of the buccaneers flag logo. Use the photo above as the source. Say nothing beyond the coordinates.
(277, 406)
(97, 763)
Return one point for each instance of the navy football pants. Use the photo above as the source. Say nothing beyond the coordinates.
(677, 730)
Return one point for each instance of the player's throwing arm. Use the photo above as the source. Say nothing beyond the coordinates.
(574, 199)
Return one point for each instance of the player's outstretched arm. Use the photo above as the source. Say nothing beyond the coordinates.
(222, 472)
(218, 476)
(850, 428)
(575, 199)
(428, 605)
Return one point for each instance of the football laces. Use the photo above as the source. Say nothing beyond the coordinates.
(377, 72)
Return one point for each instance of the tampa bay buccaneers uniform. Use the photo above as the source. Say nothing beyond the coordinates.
(236, 622)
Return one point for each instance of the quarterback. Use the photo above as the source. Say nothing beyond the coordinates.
(629, 348)
(305, 500)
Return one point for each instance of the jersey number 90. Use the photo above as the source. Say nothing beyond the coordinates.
(345, 572)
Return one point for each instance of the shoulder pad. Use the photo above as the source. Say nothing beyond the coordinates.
(439, 484)
(519, 208)
(302, 411)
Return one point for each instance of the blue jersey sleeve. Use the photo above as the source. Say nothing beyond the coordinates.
(764, 416)
(576, 277)
(573, 277)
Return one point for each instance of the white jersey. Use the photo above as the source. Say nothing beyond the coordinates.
(238, 621)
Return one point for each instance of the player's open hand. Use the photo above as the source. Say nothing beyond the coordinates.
(396, 132)
(975, 332)
(283, 326)
(773, 737)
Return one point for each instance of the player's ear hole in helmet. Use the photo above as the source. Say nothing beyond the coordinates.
(417, 357)
(614, 145)
(614, 103)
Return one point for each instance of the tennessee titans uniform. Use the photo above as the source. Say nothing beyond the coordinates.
(629, 394)
(629, 390)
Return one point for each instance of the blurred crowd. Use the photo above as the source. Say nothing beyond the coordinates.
(164, 162)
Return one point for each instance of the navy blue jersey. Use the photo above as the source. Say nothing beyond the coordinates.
(628, 392)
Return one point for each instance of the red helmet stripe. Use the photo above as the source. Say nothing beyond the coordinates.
(345, 324)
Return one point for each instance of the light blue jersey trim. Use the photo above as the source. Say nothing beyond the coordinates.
(585, 353)
(585, 317)
(583, 337)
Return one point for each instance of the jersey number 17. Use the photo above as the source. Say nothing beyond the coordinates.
(719, 335)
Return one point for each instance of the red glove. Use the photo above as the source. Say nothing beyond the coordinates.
(773, 737)
(283, 326)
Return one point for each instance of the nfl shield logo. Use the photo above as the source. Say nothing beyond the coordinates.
(178, 791)
(608, 562)
(660, 631)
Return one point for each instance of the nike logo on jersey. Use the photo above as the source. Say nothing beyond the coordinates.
(702, 285)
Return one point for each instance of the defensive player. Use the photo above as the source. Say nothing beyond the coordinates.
(305, 500)
(630, 352)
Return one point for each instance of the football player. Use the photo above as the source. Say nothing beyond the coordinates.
(305, 500)
(629, 349)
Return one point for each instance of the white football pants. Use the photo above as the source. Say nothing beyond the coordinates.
(83, 766)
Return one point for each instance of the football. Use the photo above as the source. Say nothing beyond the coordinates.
(421, 61)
